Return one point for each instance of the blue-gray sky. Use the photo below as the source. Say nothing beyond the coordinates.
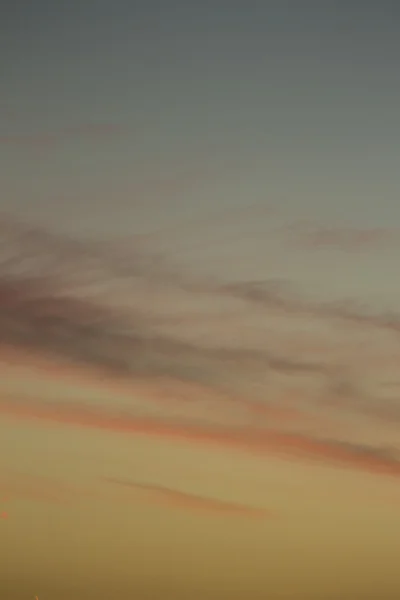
(124, 118)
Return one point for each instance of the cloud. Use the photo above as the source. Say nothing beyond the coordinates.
(167, 387)
(287, 445)
(344, 239)
(70, 328)
(280, 298)
(88, 131)
(82, 330)
(178, 499)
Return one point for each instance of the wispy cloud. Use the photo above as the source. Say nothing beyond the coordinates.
(289, 446)
(276, 298)
(197, 382)
(344, 239)
(183, 500)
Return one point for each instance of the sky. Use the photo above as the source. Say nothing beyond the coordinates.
(247, 152)
(166, 114)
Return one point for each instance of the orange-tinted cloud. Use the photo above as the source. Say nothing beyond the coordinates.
(248, 439)
(187, 398)
(178, 499)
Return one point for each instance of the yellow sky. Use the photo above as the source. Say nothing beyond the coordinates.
(72, 531)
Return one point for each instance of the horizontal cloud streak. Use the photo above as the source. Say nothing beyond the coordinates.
(188, 501)
(248, 439)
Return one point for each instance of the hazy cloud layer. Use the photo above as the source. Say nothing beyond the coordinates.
(256, 339)
(344, 239)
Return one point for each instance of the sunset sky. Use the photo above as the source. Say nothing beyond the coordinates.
(248, 154)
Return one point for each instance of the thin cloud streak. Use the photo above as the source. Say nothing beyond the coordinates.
(167, 496)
